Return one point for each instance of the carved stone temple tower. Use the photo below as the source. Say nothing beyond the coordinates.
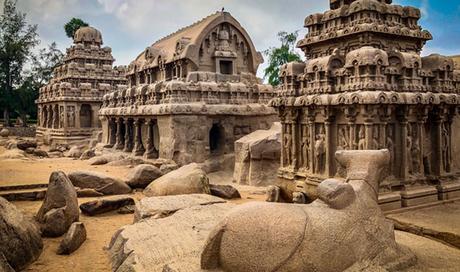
(68, 106)
(364, 85)
(191, 95)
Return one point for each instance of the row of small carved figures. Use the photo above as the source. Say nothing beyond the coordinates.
(329, 88)
(166, 100)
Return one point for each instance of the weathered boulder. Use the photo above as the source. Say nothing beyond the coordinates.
(30, 150)
(100, 182)
(142, 175)
(164, 206)
(189, 179)
(347, 212)
(176, 240)
(224, 191)
(74, 152)
(40, 153)
(5, 132)
(130, 161)
(73, 239)
(4, 265)
(257, 157)
(11, 144)
(168, 167)
(106, 158)
(13, 154)
(26, 143)
(60, 207)
(100, 206)
(88, 154)
(20, 240)
(55, 154)
(88, 193)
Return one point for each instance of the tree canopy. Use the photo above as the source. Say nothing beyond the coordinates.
(22, 72)
(73, 25)
(278, 56)
(17, 39)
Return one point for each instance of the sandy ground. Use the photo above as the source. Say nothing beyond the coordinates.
(432, 255)
(38, 171)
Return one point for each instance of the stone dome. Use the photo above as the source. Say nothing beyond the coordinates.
(88, 34)
(366, 55)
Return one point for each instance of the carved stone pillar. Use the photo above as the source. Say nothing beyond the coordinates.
(120, 141)
(311, 129)
(128, 136)
(77, 116)
(150, 152)
(49, 119)
(138, 146)
(295, 139)
(403, 150)
(112, 127)
(437, 148)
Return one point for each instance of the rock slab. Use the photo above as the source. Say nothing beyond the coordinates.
(224, 191)
(100, 182)
(60, 207)
(173, 243)
(73, 239)
(164, 206)
(20, 240)
(100, 206)
(189, 179)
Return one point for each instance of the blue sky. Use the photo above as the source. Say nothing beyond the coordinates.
(129, 26)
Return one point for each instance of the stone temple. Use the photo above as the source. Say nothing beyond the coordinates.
(68, 106)
(365, 85)
(191, 95)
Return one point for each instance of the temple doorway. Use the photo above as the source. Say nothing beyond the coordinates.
(216, 139)
(86, 114)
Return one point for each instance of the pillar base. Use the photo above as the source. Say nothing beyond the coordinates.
(449, 190)
(151, 154)
(419, 195)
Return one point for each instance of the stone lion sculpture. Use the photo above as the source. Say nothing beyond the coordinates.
(343, 229)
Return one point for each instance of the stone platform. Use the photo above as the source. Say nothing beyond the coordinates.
(439, 222)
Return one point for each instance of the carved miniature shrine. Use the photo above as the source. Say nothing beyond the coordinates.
(365, 85)
(68, 106)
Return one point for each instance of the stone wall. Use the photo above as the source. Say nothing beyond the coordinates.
(22, 131)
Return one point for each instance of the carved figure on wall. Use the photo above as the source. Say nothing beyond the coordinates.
(409, 142)
(320, 152)
(61, 117)
(445, 149)
(391, 147)
(71, 116)
(415, 154)
(287, 147)
(362, 139)
(306, 149)
(224, 36)
(343, 139)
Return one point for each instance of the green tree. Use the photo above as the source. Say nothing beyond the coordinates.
(73, 25)
(278, 56)
(39, 74)
(17, 39)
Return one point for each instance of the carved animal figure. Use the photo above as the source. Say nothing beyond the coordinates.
(343, 228)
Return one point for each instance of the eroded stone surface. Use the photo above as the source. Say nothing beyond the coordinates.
(142, 175)
(174, 242)
(100, 206)
(60, 207)
(100, 182)
(189, 179)
(73, 239)
(163, 206)
(257, 157)
(20, 240)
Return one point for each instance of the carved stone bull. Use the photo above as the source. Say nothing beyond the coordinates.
(343, 228)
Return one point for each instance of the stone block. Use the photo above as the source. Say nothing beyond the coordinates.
(418, 196)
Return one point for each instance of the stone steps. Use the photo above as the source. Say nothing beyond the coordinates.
(30, 192)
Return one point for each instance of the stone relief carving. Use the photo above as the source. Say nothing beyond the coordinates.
(71, 116)
(305, 156)
(320, 151)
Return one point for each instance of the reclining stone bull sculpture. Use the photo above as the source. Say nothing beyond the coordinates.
(344, 228)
